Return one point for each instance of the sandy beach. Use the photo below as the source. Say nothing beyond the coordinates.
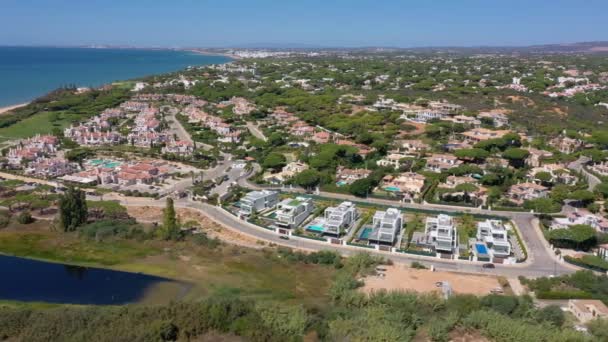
(9, 108)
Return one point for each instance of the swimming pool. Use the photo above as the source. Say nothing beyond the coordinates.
(365, 233)
(341, 183)
(392, 189)
(104, 163)
(315, 228)
(481, 248)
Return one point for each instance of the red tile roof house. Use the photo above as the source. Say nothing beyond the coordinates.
(412, 146)
(441, 162)
(321, 137)
(16, 156)
(348, 176)
(134, 106)
(519, 193)
(146, 139)
(178, 147)
(409, 184)
(301, 128)
(481, 134)
(536, 157)
(362, 150)
(234, 136)
(50, 167)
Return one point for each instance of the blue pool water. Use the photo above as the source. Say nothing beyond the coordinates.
(391, 188)
(365, 233)
(341, 183)
(481, 248)
(315, 228)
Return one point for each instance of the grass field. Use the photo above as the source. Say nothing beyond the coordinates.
(35, 124)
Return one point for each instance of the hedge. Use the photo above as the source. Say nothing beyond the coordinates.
(587, 263)
(415, 252)
(359, 245)
(573, 294)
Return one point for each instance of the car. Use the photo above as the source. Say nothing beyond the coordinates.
(284, 237)
(488, 265)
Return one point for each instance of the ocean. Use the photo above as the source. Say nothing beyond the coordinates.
(29, 72)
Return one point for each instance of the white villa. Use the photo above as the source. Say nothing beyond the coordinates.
(386, 226)
(335, 219)
(292, 212)
(441, 233)
(257, 201)
(495, 236)
(581, 216)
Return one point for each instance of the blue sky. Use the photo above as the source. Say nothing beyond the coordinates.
(205, 23)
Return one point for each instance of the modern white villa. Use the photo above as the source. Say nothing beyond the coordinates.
(335, 219)
(257, 201)
(386, 226)
(494, 234)
(292, 212)
(441, 233)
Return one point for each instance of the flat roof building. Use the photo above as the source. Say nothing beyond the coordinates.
(441, 233)
(386, 226)
(257, 201)
(292, 212)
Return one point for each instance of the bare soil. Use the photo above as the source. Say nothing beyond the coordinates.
(403, 278)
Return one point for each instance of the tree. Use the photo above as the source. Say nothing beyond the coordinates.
(361, 187)
(308, 178)
(473, 154)
(552, 314)
(584, 197)
(579, 236)
(516, 156)
(543, 176)
(170, 228)
(542, 205)
(25, 218)
(73, 209)
(274, 161)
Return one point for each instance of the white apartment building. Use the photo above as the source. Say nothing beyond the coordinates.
(441, 233)
(495, 236)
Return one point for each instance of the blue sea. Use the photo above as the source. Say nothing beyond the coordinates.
(29, 72)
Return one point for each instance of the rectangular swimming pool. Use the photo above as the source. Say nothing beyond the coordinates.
(481, 248)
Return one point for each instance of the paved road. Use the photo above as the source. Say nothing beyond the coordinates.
(255, 131)
(539, 263)
(579, 166)
(176, 128)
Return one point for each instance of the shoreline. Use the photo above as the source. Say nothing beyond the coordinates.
(6, 109)
(212, 53)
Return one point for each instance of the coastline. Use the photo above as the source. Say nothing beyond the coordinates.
(214, 53)
(6, 109)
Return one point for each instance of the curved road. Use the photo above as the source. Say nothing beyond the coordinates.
(541, 261)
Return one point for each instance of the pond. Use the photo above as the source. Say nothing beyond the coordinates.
(31, 280)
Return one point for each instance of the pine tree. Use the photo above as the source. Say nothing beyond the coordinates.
(73, 209)
(170, 228)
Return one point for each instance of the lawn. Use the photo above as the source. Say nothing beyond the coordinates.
(36, 124)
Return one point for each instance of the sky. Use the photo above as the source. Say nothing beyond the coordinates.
(302, 23)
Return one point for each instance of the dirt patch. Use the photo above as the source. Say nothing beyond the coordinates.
(521, 99)
(559, 111)
(147, 214)
(401, 277)
(419, 129)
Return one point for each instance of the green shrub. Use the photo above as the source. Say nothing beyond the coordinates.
(25, 218)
